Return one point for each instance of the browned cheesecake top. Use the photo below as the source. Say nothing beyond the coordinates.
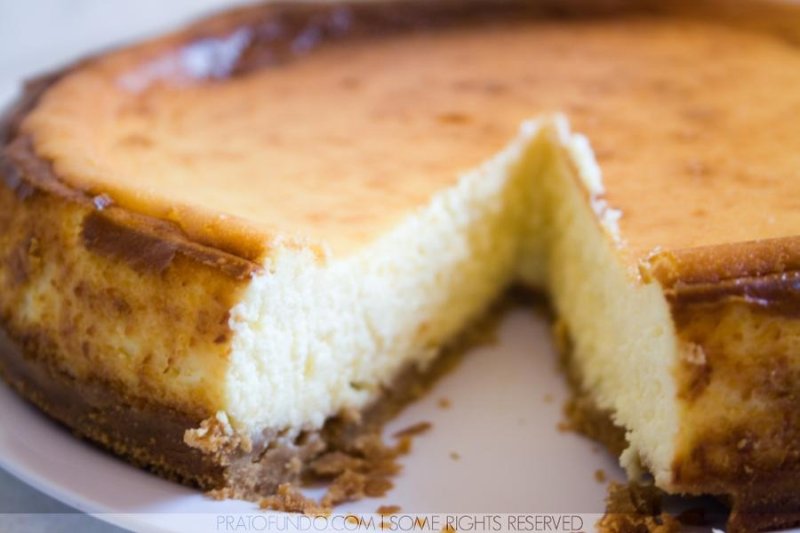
(692, 123)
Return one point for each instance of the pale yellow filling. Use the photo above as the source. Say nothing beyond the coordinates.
(316, 337)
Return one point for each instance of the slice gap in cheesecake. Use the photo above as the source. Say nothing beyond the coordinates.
(345, 335)
(548, 180)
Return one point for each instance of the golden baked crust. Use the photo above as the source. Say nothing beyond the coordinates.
(157, 117)
(81, 279)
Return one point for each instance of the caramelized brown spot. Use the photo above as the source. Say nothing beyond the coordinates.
(454, 117)
(142, 251)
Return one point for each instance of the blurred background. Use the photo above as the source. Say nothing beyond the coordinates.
(38, 35)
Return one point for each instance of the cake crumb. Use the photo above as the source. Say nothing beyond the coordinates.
(600, 475)
(347, 487)
(548, 398)
(444, 403)
(334, 463)
(225, 493)
(403, 445)
(377, 486)
(288, 498)
(388, 509)
(414, 430)
(215, 436)
(636, 508)
(455, 456)
(363, 470)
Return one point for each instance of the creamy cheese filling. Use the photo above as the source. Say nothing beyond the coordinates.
(622, 335)
(315, 336)
(318, 335)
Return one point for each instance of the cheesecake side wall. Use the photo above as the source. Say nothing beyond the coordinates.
(738, 380)
(156, 329)
(127, 349)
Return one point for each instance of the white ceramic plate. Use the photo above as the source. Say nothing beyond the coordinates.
(506, 403)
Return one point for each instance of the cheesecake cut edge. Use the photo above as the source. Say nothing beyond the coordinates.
(130, 258)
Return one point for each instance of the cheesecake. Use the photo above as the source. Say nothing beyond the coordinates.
(217, 243)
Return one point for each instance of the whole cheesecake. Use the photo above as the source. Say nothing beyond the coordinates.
(215, 243)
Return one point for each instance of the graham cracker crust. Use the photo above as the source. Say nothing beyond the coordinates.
(634, 508)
